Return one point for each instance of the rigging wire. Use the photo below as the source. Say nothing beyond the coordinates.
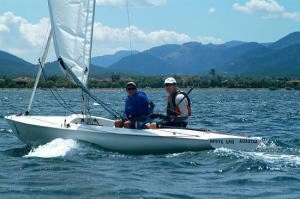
(45, 36)
(129, 27)
(61, 101)
(57, 96)
(84, 88)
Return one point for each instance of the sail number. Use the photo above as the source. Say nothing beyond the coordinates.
(223, 141)
(230, 141)
(248, 141)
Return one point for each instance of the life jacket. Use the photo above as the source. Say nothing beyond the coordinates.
(173, 108)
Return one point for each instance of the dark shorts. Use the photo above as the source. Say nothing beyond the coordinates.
(140, 124)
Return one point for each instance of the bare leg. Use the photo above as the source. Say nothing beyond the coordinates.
(151, 126)
(127, 124)
(119, 123)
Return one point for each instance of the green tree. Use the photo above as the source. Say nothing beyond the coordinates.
(212, 72)
(115, 77)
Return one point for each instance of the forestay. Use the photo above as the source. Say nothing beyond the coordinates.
(72, 26)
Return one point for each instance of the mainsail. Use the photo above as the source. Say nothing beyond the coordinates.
(72, 26)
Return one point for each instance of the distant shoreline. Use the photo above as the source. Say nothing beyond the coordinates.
(146, 89)
(117, 82)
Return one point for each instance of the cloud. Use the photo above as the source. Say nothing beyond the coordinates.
(138, 3)
(270, 6)
(20, 37)
(31, 33)
(4, 28)
(209, 40)
(270, 9)
(211, 10)
(291, 15)
(108, 40)
(25, 39)
(119, 38)
(271, 16)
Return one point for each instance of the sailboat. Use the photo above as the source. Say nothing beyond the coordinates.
(72, 32)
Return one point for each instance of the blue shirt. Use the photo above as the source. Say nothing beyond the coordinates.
(137, 105)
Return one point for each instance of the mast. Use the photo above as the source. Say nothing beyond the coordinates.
(85, 95)
(42, 60)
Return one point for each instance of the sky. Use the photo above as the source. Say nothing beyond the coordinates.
(24, 25)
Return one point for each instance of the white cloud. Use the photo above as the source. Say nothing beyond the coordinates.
(20, 37)
(118, 3)
(270, 8)
(211, 10)
(271, 16)
(209, 40)
(291, 15)
(106, 38)
(31, 33)
(25, 39)
(4, 28)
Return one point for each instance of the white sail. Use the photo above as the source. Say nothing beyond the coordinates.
(72, 26)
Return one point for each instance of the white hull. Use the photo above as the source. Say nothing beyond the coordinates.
(35, 130)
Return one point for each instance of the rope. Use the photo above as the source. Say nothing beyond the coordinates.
(64, 104)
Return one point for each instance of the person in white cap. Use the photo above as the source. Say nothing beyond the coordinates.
(178, 107)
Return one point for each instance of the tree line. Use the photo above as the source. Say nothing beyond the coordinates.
(118, 81)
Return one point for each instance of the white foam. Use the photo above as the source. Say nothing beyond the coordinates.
(282, 160)
(56, 148)
(172, 155)
(8, 130)
(265, 144)
(276, 159)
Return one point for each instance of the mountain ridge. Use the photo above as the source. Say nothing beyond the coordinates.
(107, 60)
(234, 58)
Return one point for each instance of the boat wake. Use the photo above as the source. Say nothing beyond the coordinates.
(56, 148)
(276, 159)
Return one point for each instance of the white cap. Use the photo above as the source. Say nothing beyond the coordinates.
(170, 80)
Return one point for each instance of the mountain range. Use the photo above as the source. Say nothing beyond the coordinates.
(107, 60)
(13, 66)
(235, 58)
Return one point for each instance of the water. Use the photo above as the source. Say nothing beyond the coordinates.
(72, 169)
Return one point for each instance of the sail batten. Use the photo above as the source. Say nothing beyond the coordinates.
(72, 26)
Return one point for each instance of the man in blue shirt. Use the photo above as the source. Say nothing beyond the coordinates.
(137, 109)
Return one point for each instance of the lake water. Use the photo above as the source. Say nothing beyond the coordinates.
(72, 169)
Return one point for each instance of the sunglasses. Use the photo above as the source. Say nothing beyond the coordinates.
(130, 88)
(169, 85)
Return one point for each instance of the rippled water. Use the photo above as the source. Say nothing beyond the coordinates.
(71, 169)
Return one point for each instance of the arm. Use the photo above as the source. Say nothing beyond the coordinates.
(125, 113)
(143, 104)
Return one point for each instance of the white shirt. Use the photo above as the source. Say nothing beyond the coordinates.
(183, 105)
